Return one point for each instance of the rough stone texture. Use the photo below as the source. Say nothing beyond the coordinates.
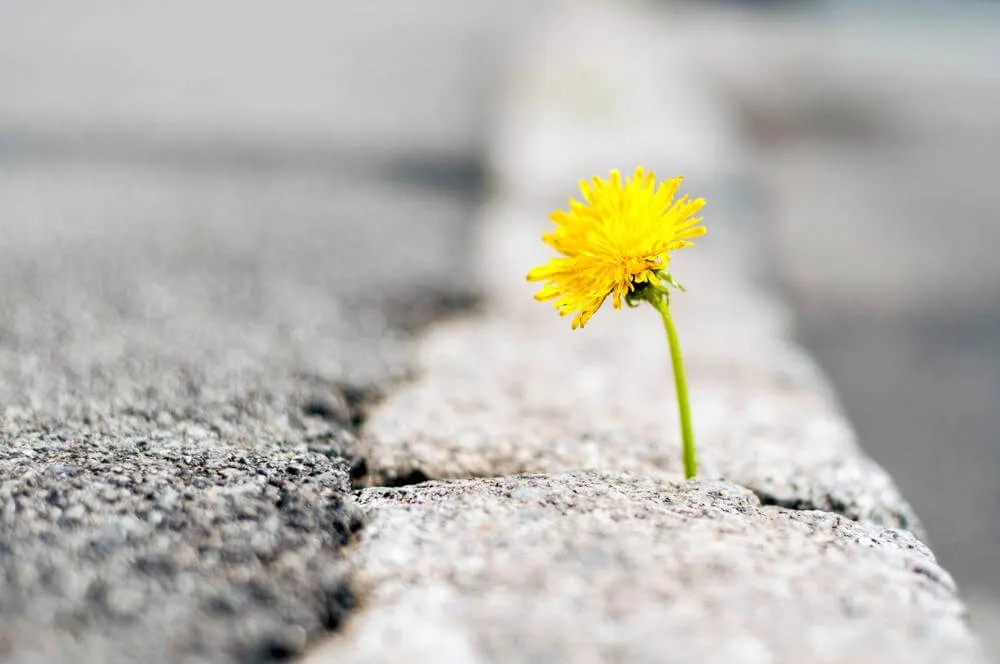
(605, 556)
(196, 310)
(540, 398)
(863, 141)
(214, 334)
(609, 567)
(183, 362)
(119, 546)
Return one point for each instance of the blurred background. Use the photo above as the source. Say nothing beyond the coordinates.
(874, 132)
(875, 144)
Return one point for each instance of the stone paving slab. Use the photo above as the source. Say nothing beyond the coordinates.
(610, 567)
(540, 398)
(791, 546)
(854, 136)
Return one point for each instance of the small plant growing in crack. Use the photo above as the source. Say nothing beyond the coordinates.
(617, 243)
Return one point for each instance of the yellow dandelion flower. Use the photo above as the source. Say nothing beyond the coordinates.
(619, 238)
(618, 243)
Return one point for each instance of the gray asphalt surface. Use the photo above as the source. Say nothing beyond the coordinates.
(182, 357)
(218, 229)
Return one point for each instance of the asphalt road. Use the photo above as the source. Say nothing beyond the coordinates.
(218, 229)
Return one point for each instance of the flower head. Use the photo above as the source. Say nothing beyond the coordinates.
(619, 238)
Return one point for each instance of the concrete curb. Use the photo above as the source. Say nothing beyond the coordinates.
(601, 567)
(805, 534)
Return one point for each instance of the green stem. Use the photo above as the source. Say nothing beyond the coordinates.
(684, 408)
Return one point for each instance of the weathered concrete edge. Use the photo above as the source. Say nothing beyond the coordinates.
(800, 454)
(603, 566)
(871, 495)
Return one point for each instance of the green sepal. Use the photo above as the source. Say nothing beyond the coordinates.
(668, 279)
